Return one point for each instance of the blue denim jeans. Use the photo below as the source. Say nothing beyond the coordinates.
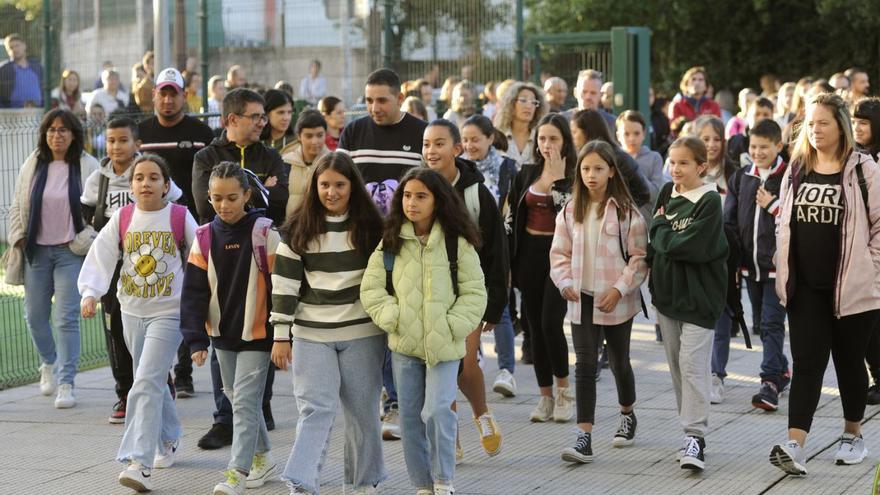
(428, 425)
(721, 345)
(54, 271)
(222, 407)
(325, 376)
(244, 379)
(150, 416)
(504, 343)
(771, 315)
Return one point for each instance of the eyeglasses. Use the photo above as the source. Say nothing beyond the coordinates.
(526, 101)
(57, 130)
(256, 118)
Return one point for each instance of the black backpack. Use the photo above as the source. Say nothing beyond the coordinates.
(451, 253)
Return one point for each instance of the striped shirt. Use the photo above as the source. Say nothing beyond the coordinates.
(316, 295)
(384, 151)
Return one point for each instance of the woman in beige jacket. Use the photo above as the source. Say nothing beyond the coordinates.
(311, 129)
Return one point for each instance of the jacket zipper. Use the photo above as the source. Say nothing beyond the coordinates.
(755, 229)
(842, 257)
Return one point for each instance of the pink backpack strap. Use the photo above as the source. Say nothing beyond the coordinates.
(125, 214)
(203, 237)
(178, 225)
(259, 239)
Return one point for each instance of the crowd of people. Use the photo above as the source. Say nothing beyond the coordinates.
(370, 257)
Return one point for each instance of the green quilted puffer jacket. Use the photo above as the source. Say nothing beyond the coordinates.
(424, 319)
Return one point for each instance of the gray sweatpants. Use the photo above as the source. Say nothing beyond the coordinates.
(689, 353)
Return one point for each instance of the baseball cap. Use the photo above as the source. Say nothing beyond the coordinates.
(169, 77)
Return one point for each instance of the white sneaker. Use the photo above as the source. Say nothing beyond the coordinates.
(563, 409)
(233, 485)
(391, 425)
(48, 380)
(716, 393)
(136, 477)
(65, 398)
(164, 458)
(443, 490)
(851, 450)
(543, 411)
(789, 457)
(262, 470)
(425, 491)
(504, 384)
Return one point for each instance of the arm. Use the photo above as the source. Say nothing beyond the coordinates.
(382, 307)
(17, 224)
(287, 276)
(174, 192)
(197, 294)
(200, 175)
(493, 256)
(467, 310)
(636, 269)
(695, 244)
(100, 263)
(560, 254)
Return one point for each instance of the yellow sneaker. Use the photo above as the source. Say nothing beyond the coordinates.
(490, 434)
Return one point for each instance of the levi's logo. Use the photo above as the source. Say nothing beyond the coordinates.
(232, 246)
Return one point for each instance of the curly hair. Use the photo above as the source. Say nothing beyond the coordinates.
(507, 106)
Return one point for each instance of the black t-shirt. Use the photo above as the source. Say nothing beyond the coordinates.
(818, 217)
(178, 145)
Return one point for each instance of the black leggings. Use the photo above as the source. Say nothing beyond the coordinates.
(873, 354)
(544, 308)
(586, 338)
(120, 359)
(814, 333)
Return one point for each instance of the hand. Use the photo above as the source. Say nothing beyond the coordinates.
(569, 294)
(608, 301)
(88, 306)
(555, 164)
(764, 198)
(271, 181)
(199, 357)
(486, 327)
(281, 355)
(20, 244)
(660, 212)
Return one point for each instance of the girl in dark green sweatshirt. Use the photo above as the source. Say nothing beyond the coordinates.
(687, 254)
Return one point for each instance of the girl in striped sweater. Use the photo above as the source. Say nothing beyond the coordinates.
(337, 349)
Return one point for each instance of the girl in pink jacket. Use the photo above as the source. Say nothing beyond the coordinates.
(828, 267)
(597, 261)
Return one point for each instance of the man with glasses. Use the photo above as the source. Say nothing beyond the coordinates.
(245, 119)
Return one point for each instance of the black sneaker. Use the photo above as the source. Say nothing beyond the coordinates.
(658, 337)
(117, 414)
(767, 398)
(693, 457)
(183, 385)
(874, 394)
(218, 436)
(527, 355)
(582, 452)
(267, 416)
(626, 431)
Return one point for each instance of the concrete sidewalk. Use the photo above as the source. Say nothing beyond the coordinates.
(47, 451)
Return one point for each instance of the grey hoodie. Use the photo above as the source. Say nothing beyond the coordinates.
(118, 189)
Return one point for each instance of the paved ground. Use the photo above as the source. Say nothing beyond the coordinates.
(47, 451)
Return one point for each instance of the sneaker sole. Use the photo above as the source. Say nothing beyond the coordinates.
(539, 419)
(620, 442)
(562, 420)
(494, 452)
(503, 390)
(575, 457)
(764, 405)
(258, 482)
(692, 463)
(182, 394)
(64, 405)
(116, 421)
(133, 484)
(845, 462)
(780, 458)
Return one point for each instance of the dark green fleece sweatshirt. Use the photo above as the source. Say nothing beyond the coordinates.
(688, 256)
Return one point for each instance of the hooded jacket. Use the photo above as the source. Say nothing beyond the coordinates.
(424, 318)
(257, 157)
(493, 253)
(300, 175)
(754, 228)
(857, 283)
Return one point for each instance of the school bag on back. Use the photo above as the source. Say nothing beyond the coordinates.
(259, 239)
(382, 193)
(178, 225)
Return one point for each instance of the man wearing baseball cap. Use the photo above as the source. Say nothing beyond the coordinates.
(176, 137)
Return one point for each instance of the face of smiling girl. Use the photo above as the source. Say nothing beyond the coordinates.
(439, 149)
(149, 186)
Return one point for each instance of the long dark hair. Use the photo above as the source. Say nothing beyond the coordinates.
(72, 123)
(617, 188)
(449, 210)
(275, 98)
(593, 125)
(568, 152)
(308, 221)
(869, 109)
(484, 124)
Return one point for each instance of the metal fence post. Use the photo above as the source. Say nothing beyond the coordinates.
(520, 41)
(203, 49)
(389, 34)
(47, 55)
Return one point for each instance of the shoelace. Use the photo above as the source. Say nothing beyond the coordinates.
(486, 426)
(233, 478)
(693, 447)
(259, 462)
(625, 426)
(582, 441)
(848, 443)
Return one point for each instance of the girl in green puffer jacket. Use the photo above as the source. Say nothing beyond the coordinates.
(427, 319)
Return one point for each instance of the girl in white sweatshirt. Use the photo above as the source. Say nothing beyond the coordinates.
(152, 237)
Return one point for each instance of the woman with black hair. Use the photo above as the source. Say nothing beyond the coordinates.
(333, 111)
(44, 218)
(539, 192)
(278, 133)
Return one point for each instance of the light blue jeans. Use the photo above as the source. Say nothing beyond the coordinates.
(244, 380)
(326, 374)
(150, 416)
(427, 424)
(54, 271)
(504, 342)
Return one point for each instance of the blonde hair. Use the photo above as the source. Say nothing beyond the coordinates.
(803, 153)
(781, 111)
(696, 147)
(682, 85)
(454, 104)
(507, 106)
(717, 125)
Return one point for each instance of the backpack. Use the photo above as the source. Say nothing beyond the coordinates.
(382, 193)
(259, 239)
(100, 209)
(451, 253)
(472, 201)
(178, 225)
